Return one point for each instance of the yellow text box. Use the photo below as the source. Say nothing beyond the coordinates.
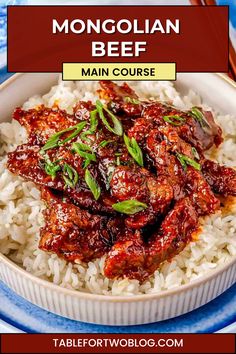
(119, 71)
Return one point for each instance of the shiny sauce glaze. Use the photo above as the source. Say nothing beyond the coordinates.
(124, 177)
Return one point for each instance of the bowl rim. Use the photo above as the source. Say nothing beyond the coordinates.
(116, 298)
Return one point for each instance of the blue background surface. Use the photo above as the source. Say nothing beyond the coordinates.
(4, 74)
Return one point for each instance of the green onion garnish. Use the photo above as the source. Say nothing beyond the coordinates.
(134, 149)
(132, 100)
(174, 120)
(195, 153)
(51, 168)
(93, 121)
(199, 116)
(129, 207)
(185, 160)
(92, 184)
(83, 136)
(54, 141)
(93, 125)
(117, 126)
(105, 143)
(84, 151)
(70, 175)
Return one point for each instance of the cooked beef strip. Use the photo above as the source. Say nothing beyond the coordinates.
(221, 179)
(174, 193)
(137, 183)
(71, 232)
(133, 258)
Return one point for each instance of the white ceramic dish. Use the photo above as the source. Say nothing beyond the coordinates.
(117, 310)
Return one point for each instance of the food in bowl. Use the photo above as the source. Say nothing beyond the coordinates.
(124, 179)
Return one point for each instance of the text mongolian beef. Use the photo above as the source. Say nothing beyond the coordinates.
(123, 177)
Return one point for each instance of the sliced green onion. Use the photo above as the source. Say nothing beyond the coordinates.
(105, 143)
(129, 207)
(84, 151)
(51, 168)
(132, 100)
(80, 126)
(93, 121)
(185, 160)
(134, 149)
(174, 120)
(70, 176)
(93, 126)
(195, 153)
(199, 116)
(53, 141)
(117, 128)
(92, 184)
(196, 113)
(86, 163)
(83, 136)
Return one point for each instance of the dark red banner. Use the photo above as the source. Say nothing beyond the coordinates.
(117, 343)
(195, 37)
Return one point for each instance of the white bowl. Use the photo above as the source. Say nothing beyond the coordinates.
(218, 91)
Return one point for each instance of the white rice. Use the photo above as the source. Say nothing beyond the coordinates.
(21, 209)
